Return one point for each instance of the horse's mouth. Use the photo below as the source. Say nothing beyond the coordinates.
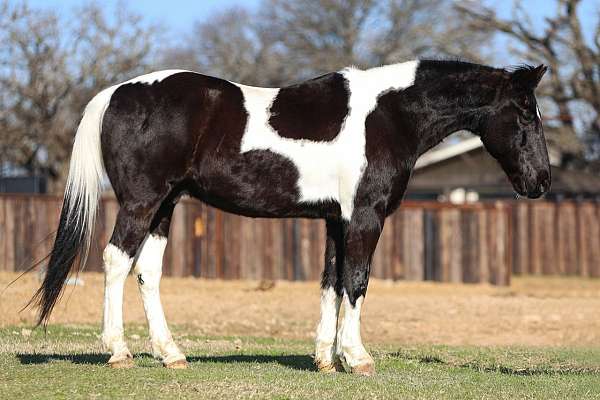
(521, 187)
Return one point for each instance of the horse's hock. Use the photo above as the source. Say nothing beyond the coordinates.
(482, 242)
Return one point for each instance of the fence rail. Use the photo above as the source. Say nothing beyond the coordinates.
(484, 242)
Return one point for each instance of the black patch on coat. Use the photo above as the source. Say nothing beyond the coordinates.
(182, 135)
(312, 110)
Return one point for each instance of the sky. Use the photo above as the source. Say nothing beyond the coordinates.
(181, 14)
(178, 16)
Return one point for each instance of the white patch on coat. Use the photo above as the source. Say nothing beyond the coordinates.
(116, 268)
(328, 170)
(327, 329)
(155, 76)
(148, 271)
(350, 349)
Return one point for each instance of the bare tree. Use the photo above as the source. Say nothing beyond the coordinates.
(326, 35)
(49, 70)
(233, 44)
(572, 91)
(285, 40)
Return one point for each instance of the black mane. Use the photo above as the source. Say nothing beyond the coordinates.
(454, 66)
(520, 68)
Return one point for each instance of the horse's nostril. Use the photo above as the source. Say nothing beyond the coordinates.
(544, 185)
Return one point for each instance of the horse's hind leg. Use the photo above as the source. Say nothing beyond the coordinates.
(132, 225)
(326, 358)
(148, 270)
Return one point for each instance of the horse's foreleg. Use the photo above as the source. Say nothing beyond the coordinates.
(325, 352)
(148, 270)
(363, 234)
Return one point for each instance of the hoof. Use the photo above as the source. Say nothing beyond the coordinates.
(367, 369)
(329, 368)
(126, 362)
(179, 364)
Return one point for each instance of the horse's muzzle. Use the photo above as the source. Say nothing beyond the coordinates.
(535, 190)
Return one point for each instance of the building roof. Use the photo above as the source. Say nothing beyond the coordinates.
(441, 153)
(445, 151)
(467, 165)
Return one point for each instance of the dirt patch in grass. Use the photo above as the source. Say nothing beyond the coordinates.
(532, 312)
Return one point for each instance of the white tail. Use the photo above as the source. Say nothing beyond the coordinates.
(74, 234)
(86, 169)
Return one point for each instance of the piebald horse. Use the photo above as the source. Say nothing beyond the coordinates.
(340, 147)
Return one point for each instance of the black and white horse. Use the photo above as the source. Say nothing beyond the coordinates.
(339, 147)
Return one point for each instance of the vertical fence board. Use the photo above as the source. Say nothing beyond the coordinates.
(10, 235)
(415, 242)
(521, 238)
(469, 249)
(3, 235)
(566, 239)
(592, 239)
(432, 244)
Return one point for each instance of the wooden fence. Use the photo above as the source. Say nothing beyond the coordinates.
(483, 242)
(556, 238)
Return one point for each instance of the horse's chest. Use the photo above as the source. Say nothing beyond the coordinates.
(327, 170)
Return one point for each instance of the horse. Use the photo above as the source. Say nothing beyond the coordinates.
(339, 147)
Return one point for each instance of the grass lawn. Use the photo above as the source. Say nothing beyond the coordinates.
(69, 363)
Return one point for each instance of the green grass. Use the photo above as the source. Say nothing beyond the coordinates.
(68, 363)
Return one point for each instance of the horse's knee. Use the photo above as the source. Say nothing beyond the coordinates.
(356, 281)
(116, 264)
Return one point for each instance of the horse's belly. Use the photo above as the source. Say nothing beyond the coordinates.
(261, 183)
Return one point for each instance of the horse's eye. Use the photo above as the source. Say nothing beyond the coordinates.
(528, 116)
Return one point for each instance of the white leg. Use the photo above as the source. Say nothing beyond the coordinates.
(116, 268)
(350, 349)
(325, 351)
(148, 270)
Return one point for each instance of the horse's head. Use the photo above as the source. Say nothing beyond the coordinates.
(513, 133)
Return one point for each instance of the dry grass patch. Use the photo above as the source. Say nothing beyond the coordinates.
(532, 312)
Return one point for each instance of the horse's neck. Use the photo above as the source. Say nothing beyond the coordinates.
(444, 114)
(439, 126)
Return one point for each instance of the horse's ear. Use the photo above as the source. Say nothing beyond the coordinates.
(527, 76)
(540, 70)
